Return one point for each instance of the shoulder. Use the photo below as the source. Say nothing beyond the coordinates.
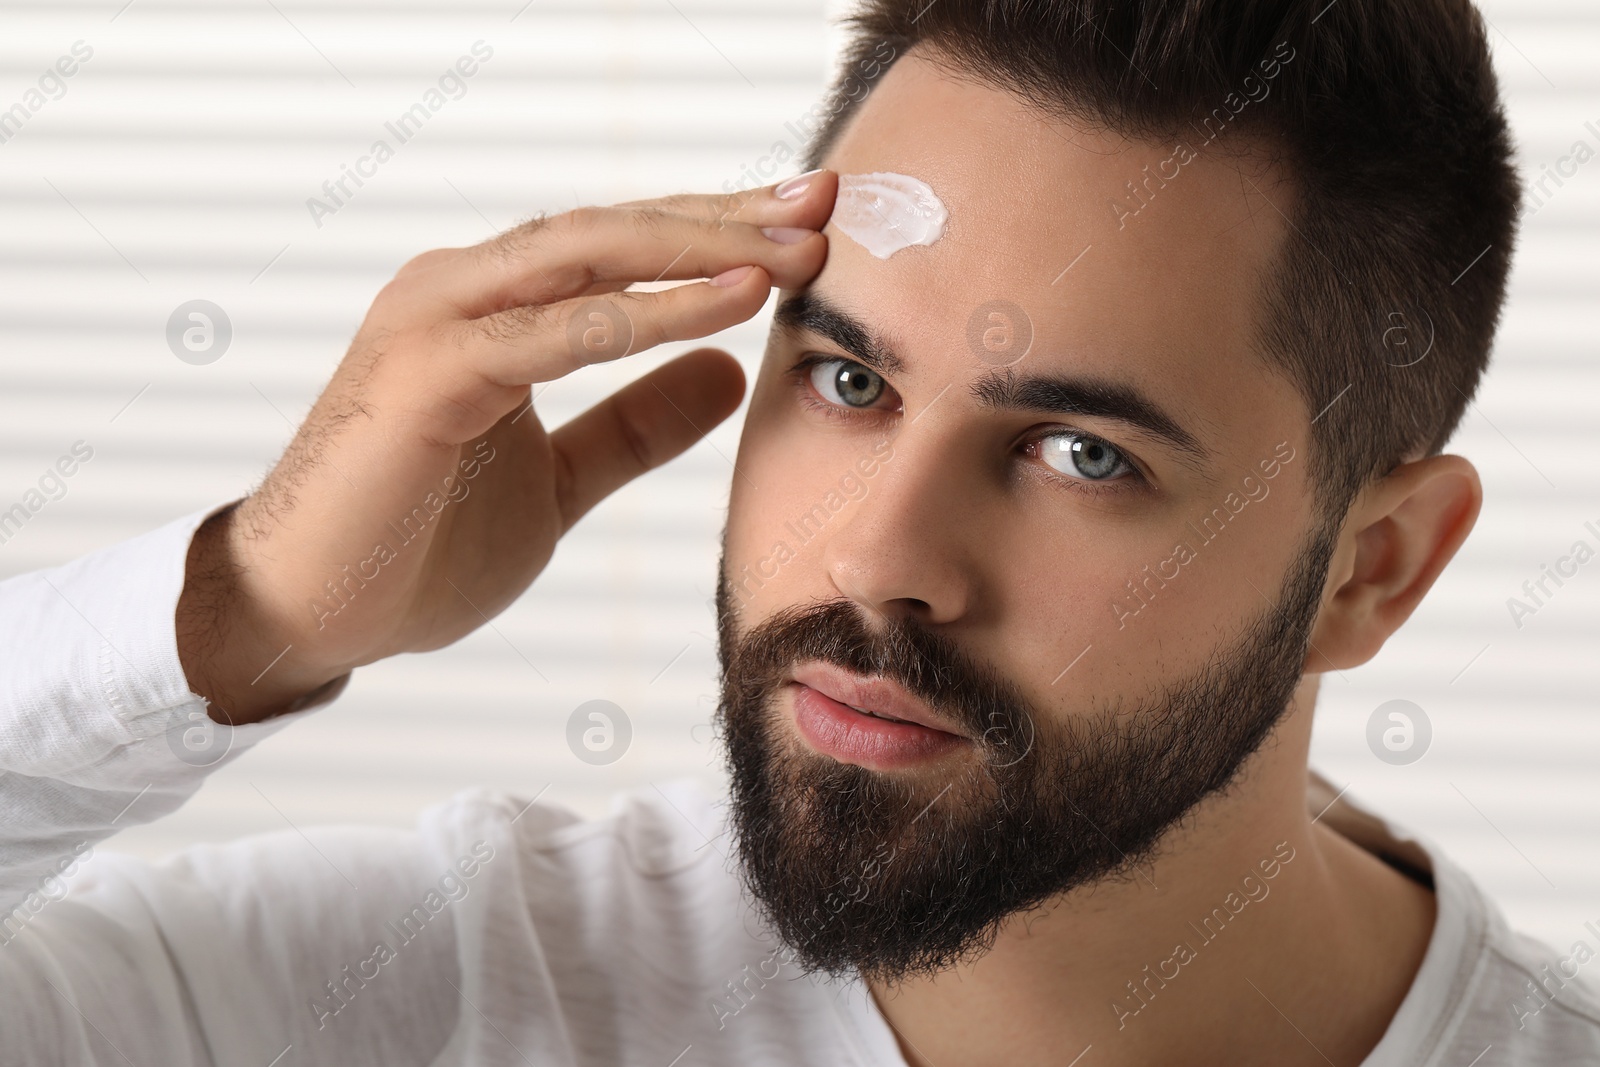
(1536, 1004)
(1549, 996)
(1485, 993)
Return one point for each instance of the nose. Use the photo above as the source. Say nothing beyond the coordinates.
(905, 547)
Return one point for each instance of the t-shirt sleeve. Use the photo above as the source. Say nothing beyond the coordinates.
(98, 727)
(333, 945)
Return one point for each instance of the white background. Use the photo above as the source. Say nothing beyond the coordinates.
(178, 164)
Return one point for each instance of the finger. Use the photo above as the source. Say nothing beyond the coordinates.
(642, 426)
(421, 264)
(569, 254)
(548, 341)
(746, 205)
(525, 345)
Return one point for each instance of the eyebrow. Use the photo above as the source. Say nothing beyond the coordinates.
(1002, 389)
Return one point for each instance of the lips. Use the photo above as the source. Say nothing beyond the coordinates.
(870, 722)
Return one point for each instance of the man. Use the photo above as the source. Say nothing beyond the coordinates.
(1079, 453)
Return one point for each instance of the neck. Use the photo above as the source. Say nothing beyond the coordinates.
(1256, 934)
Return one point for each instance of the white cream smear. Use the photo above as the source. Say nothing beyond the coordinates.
(884, 212)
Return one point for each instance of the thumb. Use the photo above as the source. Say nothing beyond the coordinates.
(641, 426)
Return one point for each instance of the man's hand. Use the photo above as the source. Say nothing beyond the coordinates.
(422, 494)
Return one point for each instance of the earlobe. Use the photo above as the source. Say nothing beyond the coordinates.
(1397, 538)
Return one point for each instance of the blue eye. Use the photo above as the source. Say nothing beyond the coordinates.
(1077, 455)
(846, 383)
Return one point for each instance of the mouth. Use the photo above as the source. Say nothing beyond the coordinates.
(870, 722)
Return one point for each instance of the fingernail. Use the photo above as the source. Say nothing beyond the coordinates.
(786, 235)
(731, 277)
(793, 187)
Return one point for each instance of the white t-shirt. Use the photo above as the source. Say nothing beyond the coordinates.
(496, 932)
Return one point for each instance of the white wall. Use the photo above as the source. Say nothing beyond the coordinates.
(177, 166)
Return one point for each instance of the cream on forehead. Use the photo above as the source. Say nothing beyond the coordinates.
(884, 212)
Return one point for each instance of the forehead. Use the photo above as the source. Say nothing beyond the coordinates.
(1145, 257)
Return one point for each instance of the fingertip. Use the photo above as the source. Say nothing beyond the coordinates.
(731, 277)
(803, 186)
(747, 283)
(727, 375)
(812, 203)
(794, 188)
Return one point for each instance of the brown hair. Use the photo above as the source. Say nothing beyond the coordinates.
(1386, 114)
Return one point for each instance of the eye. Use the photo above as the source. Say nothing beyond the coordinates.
(846, 383)
(1080, 456)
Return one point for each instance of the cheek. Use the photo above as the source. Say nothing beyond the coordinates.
(1058, 634)
(1092, 615)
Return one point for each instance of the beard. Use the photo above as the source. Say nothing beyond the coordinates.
(891, 877)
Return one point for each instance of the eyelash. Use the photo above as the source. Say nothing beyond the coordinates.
(1134, 480)
(801, 373)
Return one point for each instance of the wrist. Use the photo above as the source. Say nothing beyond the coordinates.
(233, 653)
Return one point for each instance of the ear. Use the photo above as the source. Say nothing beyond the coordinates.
(1397, 537)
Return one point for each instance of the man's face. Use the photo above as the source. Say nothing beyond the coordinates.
(1089, 561)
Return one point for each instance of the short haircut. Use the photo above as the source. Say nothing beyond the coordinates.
(1386, 116)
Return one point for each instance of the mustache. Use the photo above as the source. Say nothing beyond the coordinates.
(932, 667)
